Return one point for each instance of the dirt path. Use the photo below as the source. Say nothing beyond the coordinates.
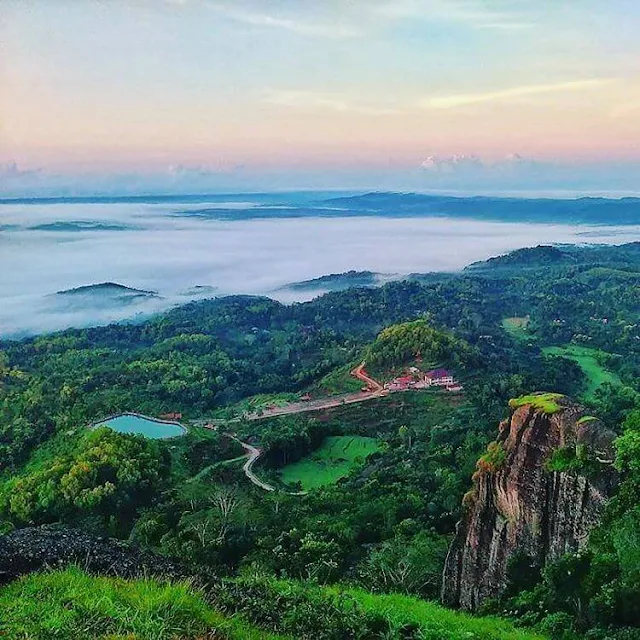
(361, 374)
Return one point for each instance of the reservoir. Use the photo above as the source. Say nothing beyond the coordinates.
(141, 425)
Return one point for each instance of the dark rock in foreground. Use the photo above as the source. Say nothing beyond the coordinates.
(35, 548)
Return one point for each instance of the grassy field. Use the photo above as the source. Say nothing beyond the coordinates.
(338, 381)
(71, 604)
(588, 359)
(332, 461)
(517, 327)
(435, 621)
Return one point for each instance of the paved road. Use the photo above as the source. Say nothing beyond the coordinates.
(375, 390)
(317, 405)
(253, 453)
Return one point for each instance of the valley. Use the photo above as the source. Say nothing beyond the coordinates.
(331, 447)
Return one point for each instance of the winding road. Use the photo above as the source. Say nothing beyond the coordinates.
(375, 390)
(253, 454)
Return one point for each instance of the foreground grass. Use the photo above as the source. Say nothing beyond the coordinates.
(436, 622)
(71, 604)
(332, 461)
(588, 361)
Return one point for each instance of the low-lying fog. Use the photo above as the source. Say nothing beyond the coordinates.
(45, 248)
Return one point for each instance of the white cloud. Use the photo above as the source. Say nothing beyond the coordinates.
(301, 27)
(473, 13)
(502, 95)
(463, 163)
(451, 164)
(312, 100)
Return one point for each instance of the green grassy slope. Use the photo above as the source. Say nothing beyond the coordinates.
(587, 359)
(517, 327)
(332, 461)
(71, 604)
(437, 622)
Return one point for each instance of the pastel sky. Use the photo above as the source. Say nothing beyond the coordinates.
(343, 93)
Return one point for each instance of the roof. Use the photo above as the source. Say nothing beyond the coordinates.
(435, 374)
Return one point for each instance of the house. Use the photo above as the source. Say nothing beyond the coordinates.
(402, 383)
(438, 378)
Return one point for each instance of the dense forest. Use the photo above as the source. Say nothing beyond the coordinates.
(556, 319)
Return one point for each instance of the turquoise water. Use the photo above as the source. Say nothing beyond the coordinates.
(148, 427)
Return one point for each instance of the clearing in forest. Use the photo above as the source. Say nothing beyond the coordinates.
(331, 462)
(589, 361)
(517, 326)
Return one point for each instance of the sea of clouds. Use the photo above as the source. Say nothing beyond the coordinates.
(148, 246)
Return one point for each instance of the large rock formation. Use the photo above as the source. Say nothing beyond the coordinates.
(35, 548)
(537, 493)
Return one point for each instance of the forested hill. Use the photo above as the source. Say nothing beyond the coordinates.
(623, 211)
(366, 495)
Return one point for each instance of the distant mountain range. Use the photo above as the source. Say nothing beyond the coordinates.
(587, 210)
(80, 225)
(606, 211)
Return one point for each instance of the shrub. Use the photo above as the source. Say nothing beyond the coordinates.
(493, 460)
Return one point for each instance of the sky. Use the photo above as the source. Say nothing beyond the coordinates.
(128, 96)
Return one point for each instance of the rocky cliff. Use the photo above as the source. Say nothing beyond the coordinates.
(537, 494)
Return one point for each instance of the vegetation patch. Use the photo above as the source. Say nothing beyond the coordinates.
(586, 419)
(517, 326)
(338, 381)
(577, 459)
(400, 344)
(434, 621)
(493, 460)
(334, 460)
(307, 610)
(590, 361)
(545, 402)
(72, 604)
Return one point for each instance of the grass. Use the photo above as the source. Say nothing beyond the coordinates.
(436, 622)
(338, 381)
(589, 362)
(337, 456)
(545, 402)
(493, 460)
(517, 327)
(72, 604)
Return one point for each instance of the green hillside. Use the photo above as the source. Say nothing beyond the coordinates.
(589, 361)
(71, 604)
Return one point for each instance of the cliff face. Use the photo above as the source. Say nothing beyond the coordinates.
(517, 506)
